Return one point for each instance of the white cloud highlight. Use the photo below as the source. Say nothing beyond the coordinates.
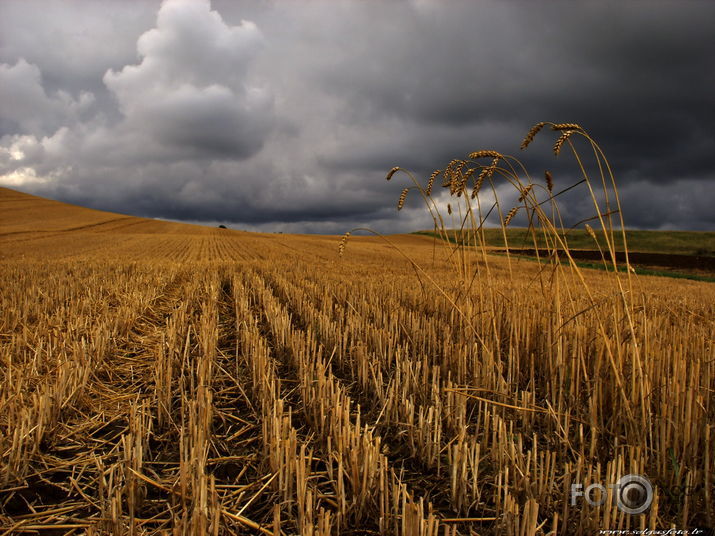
(192, 88)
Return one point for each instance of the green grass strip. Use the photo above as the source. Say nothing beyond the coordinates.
(639, 271)
(674, 242)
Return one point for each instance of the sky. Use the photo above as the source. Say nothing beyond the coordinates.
(286, 116)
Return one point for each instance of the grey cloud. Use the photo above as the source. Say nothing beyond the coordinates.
(28, 109)
(210, 120)
(73, 43)
(683, 204)
(635, 77)
(191, 87)
(283, 121)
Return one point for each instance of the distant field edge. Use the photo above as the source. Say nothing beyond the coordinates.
(666, 258)
(694, 243)
(638, 270)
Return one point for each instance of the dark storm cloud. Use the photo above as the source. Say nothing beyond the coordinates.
(638, 78)
(287, 115)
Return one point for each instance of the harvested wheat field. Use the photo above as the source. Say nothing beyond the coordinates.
(162, 378)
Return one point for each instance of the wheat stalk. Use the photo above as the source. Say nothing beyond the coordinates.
(559, 142)
(392, 172)
(566, 126)
(343, 243)
(485, 153)
(430, 183)
(510, 215)
(525, 192)
(531, 134)
(549, 180)
(403, 196)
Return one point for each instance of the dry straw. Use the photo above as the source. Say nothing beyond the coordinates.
(569, 293)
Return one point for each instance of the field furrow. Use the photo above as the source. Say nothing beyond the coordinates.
(372, 489)
(405, 402)
(97, 390)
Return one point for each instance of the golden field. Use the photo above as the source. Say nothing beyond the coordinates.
(163, 378)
